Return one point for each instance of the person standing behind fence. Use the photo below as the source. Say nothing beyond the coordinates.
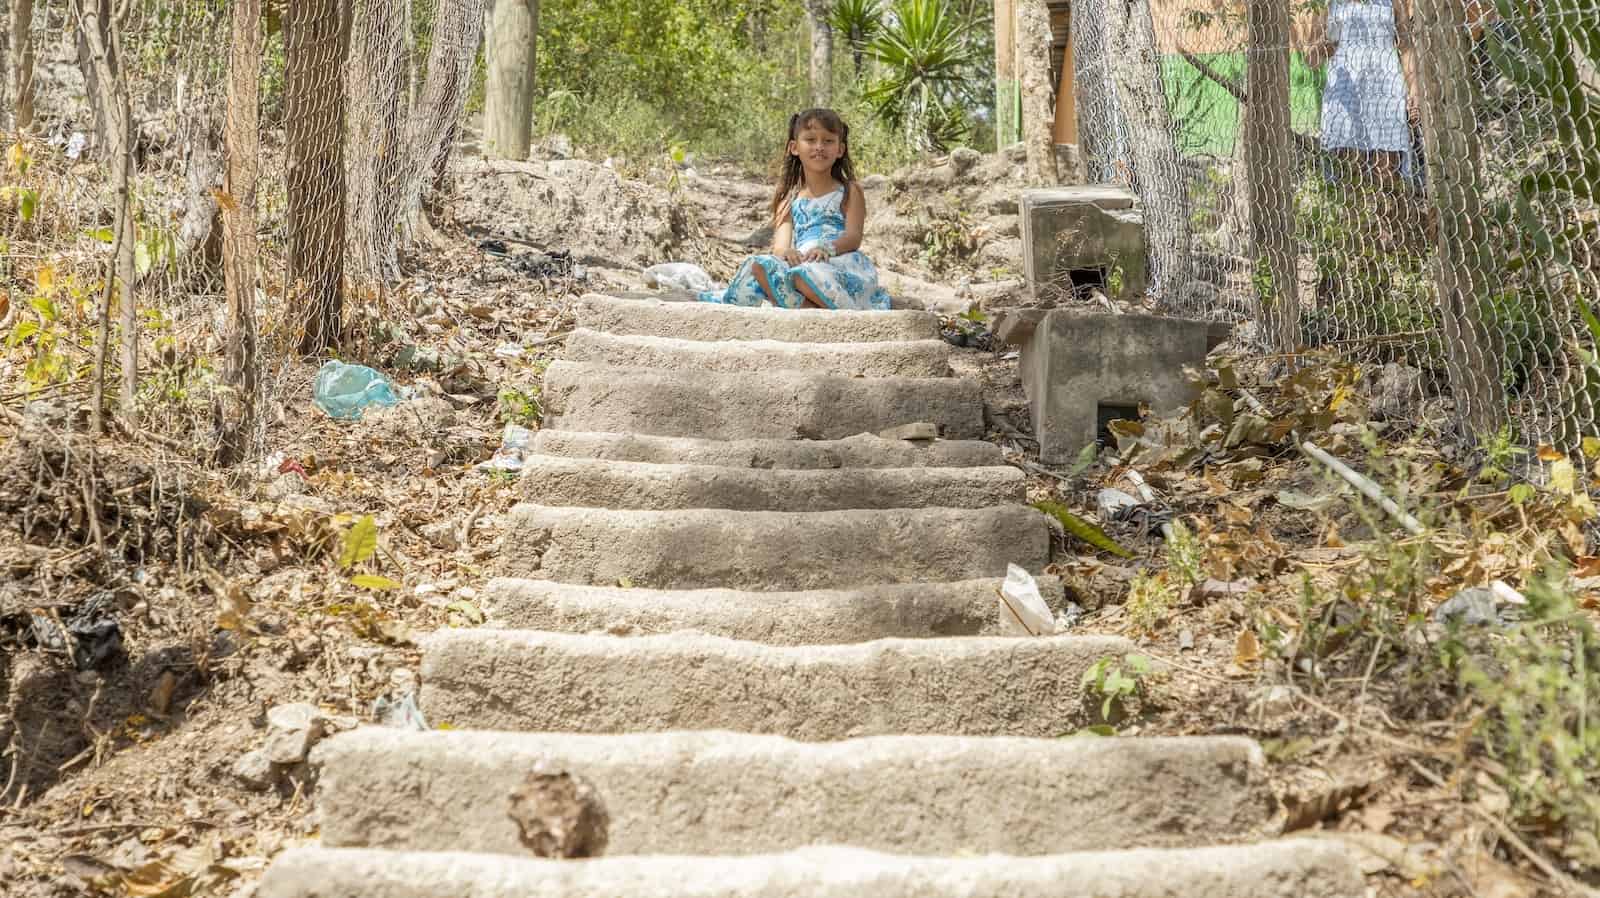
(1364, 106)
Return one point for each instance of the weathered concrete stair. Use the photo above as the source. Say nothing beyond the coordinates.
(1303, 868)
(859, 451)
(896, 358)
(815, 617)
(787, 405)
(589, 483)
(708, 322)
(980, 686)
(700, 548)
(766, 635)
(736, 793)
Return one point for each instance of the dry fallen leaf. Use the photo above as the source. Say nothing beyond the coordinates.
(1246, 649)
(161, 695)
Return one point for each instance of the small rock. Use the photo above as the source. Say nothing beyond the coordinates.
(962, 159)
(560, 146)
(1474, 607)
(256, 770)
(1272, 701)
(419, 358)
(1113, 502)
(1185, 640)
(559, 814)
(291, 731)
(443, 535)
(1396, 391)
(918, 431)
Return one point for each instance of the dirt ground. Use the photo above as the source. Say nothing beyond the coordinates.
(236, 591)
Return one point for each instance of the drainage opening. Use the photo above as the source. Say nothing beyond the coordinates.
(1083, 280)
(1107, 412)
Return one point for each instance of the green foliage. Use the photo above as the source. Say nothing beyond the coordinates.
(1116, 682)
(1185, 554)
(1150, 600)
(1082, 529)
(520, 406)
(360, 543)
(859, 22)
(927, 64)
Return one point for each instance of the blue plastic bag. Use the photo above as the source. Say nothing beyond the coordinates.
(345, 391)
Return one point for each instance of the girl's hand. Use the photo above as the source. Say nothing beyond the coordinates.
(815, 254)
(791, 256)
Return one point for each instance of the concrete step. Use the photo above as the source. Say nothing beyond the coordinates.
(768, 405)
(968, 685)
(713, 548)
(859, 451)
(587, 483)
(736, 793)
(705, 321)
(1304, 868)
(818, 617)
(898, 358)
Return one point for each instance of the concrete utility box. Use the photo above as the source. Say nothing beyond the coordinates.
(1083, 236)
(1082, 369)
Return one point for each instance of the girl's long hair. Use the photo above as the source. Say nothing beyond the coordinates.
(844, 171)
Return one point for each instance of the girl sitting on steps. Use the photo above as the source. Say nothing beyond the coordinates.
(817, 213)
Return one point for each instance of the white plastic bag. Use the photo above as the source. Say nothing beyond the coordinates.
(678, 276)
(1022, 609)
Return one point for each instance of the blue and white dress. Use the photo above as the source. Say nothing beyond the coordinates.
(1364, 105)
(848, 281)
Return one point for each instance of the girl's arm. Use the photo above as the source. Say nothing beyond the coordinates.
(855, 219)
(783, 237)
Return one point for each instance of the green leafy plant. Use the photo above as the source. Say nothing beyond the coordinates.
(1150, 600)
(1117, 682)
(926, 62)
(520, 406)
(1185, 554)
(1082, 529)
(859, 22)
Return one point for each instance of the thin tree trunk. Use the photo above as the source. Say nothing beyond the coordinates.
(1269, 164)
(315, 33)
(1455, 184)
(102, 50)
(821, 52)
(237, 425)
(1033, 37)
(21, 74)
(378, 77)
(512, 48)
(1097, 139)
(1158, 177)
(457, 29)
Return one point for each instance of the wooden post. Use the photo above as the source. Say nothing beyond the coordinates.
(1066, 129)
(1007, 100)
(1269, 164)
(1455, 184)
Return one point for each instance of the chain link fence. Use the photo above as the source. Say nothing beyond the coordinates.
(1405, 182)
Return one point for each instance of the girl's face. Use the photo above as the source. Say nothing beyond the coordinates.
(817, 148)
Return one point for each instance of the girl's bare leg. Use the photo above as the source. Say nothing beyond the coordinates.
(761, 278)
(811, 300)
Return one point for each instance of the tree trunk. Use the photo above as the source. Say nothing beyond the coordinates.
(1269, 167)
(100, 48)
(1097, 116)
(821, 52)
(1158, 176)
(1455, 184)
(236, 418)
(512, 48)
(379, 75)
(1033, 38)
(315, 33)
(457, 29)
(1007, 124)
(99, 11)
(21, 83)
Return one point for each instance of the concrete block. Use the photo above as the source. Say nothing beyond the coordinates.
(735, 793)
(589, 483)
(527, 680)
(810, 617)
(1304, 868)
(714, 548)
(859, 451)
(1084, 228)
(707, 321)
(1073, 364)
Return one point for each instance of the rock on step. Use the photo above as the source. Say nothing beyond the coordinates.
(968, 685)
(899, 358)
(767, 405)
(859, 451)
(736, 793)
(1304, 868)
(620, 484)
(707, 321)
(700, 548)
(818, 617)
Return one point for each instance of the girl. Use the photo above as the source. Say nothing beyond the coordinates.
(817, 213)
(1364, 107)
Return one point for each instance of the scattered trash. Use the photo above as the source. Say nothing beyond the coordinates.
(679, 276)
(1022, 608)
(76, 144)
(542, 266)
(92, 635)
(514, 442)
(401, 713)
(509, 351)
(1111, 503)
(1479, 606)
(345, 391)
(419, 359)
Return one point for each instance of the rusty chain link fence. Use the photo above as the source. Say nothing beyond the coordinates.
(1410, 183)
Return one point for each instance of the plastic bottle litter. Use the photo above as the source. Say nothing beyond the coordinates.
(679, 276)
(345, 391)
(513, 451)
(1022, 608)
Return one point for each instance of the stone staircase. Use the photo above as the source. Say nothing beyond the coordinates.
(771, 644)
